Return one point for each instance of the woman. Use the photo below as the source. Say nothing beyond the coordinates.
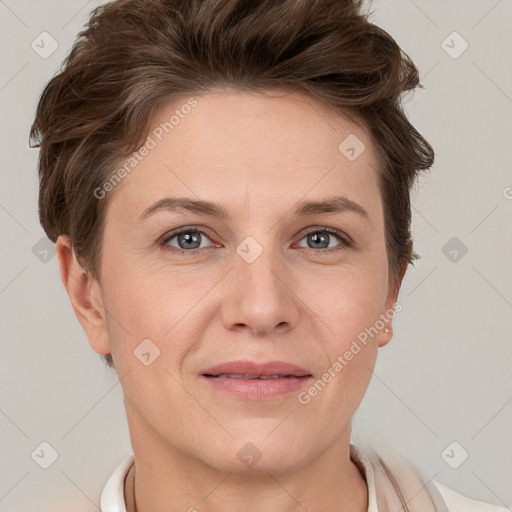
(227, 184)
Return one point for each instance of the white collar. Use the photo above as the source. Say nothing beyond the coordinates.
(112, 496)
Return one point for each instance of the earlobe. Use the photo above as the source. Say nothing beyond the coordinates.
(385, 336)
(85, 296)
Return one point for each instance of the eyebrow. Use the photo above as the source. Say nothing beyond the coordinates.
(335, 204)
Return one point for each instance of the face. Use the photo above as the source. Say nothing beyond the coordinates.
(272, 279)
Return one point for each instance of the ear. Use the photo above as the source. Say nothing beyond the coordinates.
(394, 288)
(85, 295)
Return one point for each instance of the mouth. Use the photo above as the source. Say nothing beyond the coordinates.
(247, 377)
(251, 380)
(254, 370)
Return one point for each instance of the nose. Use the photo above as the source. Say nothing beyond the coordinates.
(259, 297)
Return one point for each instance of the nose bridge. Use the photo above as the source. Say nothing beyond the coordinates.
(262, 273)
(259, 296)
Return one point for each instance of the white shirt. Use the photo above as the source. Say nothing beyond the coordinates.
(381, 489)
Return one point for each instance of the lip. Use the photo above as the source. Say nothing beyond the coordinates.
(293, 378)
(255, 369)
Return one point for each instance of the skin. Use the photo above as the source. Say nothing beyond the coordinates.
(297, 302)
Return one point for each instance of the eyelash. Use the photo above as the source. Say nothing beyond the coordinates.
(346, 242)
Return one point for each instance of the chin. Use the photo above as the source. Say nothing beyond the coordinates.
(262, 467)
(248, 455)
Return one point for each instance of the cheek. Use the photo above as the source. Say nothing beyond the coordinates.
(349, 309)
(131, 311)
(145, 307)
(350, 301)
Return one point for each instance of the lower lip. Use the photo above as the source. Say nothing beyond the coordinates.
(258, 389)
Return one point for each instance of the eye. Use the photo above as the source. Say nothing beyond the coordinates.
(187, 240)
(190, 240)
(321, 239)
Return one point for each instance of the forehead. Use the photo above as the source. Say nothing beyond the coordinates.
(235, 146)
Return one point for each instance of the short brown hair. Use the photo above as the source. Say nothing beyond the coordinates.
(134, 55)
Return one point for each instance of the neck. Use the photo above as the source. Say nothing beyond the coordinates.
(164, 478)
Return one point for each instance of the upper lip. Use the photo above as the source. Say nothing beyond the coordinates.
(256, 369)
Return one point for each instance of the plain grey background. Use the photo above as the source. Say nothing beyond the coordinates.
(443, 379)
